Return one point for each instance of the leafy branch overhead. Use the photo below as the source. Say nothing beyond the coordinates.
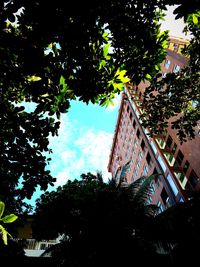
(85, 54)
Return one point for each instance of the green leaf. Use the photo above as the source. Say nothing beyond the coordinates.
(195, 18)
(102, 64)
(105, 36)
(148, 76)
(33, 78)
(4, 235)
(62, 80)
(105, 50)
(2, 208)
(9, 218)
(125, 79)
(120, 73)
(119, 86)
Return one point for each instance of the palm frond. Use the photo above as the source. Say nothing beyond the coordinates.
(145, 189)
(124, 171)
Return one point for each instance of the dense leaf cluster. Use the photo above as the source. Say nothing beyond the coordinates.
(52, 53)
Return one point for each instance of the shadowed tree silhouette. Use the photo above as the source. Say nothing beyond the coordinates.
(101, 222)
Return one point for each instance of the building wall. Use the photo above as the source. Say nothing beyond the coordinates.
(150, 155)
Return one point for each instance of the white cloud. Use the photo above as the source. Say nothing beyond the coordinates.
(78, 150)
(95, 147)
(68, 155)
(62, 177)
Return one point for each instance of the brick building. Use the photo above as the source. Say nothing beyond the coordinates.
(178, 164)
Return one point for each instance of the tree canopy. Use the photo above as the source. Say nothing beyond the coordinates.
(96, 220)
(107, 222)
(54, 52)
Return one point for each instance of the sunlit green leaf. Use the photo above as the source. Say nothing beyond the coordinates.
(148, 76)
(105, 49)
(33, 78)
(105, 36)
(9, 218)
(102, 64)
(195, 18)
(2, 208)
(4, 235)
(125, 79)
(62, 80)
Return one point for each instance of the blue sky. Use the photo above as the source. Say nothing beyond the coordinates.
(86, 133)
(83, 143)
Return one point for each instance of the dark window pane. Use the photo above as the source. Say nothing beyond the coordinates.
(169, 141)
(138, 133)
(174, 148)
(180, 157)
(164, 196)
(193, 179)
(148, 158)
(186, 166)
(142, 144)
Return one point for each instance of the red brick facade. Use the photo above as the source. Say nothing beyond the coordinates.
(178, 164)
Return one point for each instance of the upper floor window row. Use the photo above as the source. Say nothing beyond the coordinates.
(167, 63)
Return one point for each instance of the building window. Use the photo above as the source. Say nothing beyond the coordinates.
(175, 47)
(160, 207)
(148, 158)
(169, 141)
(138, 133)
(152, 188)
(135, 144)
(174, 148)
(143, 145)
(181, 178)
(135, 173)
(153, 147)
(137, 163)
(140, 155)
(164, 196)
(131, 115)
(172, 184)
(145, 170)
(162, 164)
(134, 123)
(176, 68)
(193, 179)
(127, 109)
(180, 157)
(165, 133)
(161, 143)
(186, 166)
(167, 63)
(149, 200)
(170, 158)
(155, 171)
